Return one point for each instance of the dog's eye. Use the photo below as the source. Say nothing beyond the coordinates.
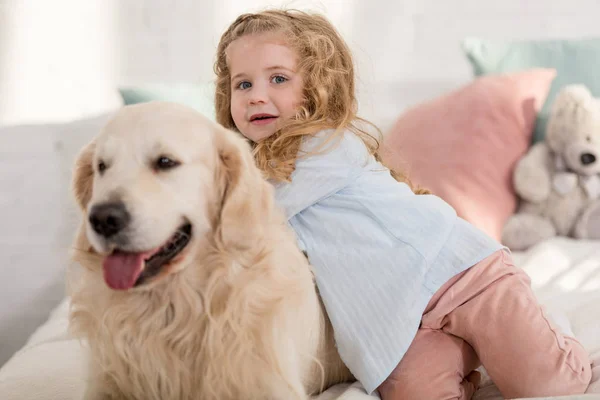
(164, 162)
(101, 166)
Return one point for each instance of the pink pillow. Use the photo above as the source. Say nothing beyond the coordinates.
(463, 146)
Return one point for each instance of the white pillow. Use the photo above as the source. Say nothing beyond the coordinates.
(37, 221)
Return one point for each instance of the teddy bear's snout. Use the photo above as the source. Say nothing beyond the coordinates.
(582, 158)
(587, 158)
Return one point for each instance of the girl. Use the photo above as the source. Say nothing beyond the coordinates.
(418, 298)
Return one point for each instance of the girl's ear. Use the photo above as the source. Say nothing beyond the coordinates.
(83, 175)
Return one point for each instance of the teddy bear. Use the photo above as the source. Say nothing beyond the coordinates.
(558, 179)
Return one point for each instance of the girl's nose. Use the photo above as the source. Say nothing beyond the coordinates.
(258, 95)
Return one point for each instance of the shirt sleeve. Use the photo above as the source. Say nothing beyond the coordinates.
(322, 169)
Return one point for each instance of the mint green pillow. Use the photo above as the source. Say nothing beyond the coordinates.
(195, 95)
(575, 61)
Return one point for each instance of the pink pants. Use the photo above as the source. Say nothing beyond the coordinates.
(488, 315)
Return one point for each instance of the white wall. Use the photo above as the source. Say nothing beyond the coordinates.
(56, 58)
(63, 58)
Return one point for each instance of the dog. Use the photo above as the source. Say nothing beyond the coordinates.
(188, 282)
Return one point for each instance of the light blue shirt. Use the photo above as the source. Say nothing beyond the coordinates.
(379, 252)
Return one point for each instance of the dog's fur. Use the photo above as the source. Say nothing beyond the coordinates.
(236, 315)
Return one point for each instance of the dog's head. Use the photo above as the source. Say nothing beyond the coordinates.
(156, 182)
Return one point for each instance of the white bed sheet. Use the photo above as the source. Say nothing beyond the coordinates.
(565, 275)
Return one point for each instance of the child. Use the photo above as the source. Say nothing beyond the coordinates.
(418, 298)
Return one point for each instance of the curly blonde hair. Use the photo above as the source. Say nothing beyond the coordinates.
(329, 100)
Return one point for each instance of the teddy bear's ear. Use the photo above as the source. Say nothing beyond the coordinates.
(570, 98)
(574, 113)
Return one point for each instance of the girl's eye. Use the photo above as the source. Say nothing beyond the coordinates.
(244, 85)
(279, 79)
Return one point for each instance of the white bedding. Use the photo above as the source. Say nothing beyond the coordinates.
(565, 275)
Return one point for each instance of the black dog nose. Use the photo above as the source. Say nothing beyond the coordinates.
(588, 158)
(108, 219)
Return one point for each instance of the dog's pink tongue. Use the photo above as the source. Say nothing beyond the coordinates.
(121, 270)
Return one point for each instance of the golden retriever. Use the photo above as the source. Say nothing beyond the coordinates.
(189, 282)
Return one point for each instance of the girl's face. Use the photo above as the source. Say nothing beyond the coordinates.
(266, 88)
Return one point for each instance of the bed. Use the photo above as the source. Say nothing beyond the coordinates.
(38, 358)
(565, 274)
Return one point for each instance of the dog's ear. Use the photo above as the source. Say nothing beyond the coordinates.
(83, 175)
(247, 198)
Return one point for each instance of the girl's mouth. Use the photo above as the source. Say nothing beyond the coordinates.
(262, 119)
